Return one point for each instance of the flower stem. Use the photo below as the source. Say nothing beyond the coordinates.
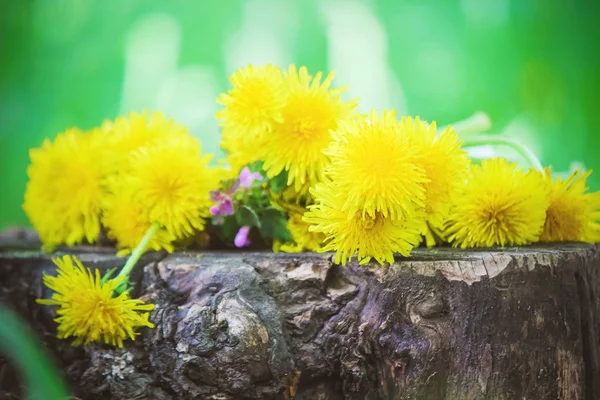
(476, 123)
(483, 139)
(135, 256)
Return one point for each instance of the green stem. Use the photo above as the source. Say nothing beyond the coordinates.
(136, 254)
(486, 139)
(476, 123)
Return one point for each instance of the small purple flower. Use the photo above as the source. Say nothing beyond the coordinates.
(216, 195)
(241, 238)
(223, 207)
(247, 177)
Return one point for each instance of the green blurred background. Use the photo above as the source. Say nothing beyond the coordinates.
(532, 65)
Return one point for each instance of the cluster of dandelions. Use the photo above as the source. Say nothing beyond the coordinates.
(305, 172)
(122, 178)
(374, 185)
(142, 181)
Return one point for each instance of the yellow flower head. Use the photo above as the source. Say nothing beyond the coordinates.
(444, 163)
(127, 223)
(136, 130)
(573, 214)
(252, 107)
(172, 182)
(376, 168)
(499, 205)
(433, 235)
(368, 236)
(304, 239)
(290, 200)
(312, 110)
(88, 309)
(62, 198)
(239, 151)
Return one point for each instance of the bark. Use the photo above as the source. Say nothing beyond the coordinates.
(444, 324)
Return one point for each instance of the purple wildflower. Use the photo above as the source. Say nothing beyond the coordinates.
(241, 238)
(247, 177)
(223, 207)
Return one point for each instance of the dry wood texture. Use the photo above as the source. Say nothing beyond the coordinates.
(444, 324)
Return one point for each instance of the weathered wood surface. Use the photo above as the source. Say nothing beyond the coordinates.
(444, 324)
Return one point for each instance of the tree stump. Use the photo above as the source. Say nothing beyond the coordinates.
(507, 323)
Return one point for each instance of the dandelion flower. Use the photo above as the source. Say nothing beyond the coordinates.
(65, 187)
(573, 214)
(444, 163)
(434, 235)
(252, 107)
(368, 236)
(172, 182)
(291, 200)
(239, 150)
(499, 205)
(127, 223)
(376, 168)
(88, 310)
(311, 111)
(304, 239)
(136, 130)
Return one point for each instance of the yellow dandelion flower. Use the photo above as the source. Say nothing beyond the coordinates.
(573, 214)
(255, 101)
(127, 223)
(311, 111)
(290, 200)
(136, 130)
(434, 235)
(304, 239)
(101, 131)
(65, 187)
(172, 182)
(444, 163)
(499, 205)
(252, 107)
(376, 168)
(237, 150)
(88, 309)
(368, 236)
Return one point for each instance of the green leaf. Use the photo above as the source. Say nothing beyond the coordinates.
(246, 216)
(256, 166)
(279, 182)
(124, 286)
(20, 346)
(229, 228)
(228, 184)
(108, 275)
(274, 225)
(226, 231)
(256, 199)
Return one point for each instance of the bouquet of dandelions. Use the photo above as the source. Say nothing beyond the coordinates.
(304, 172)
